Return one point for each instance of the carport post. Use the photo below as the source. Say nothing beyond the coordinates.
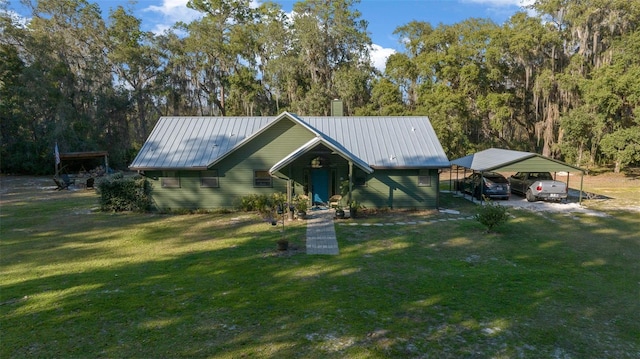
(581, 182)
(464, 175)
(481, 186)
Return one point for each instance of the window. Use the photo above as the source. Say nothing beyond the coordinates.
(261, 179)
(424, 179)
(209, 179)
(360, 181)
(171, 180)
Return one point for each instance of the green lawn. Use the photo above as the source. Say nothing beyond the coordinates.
(77, 283)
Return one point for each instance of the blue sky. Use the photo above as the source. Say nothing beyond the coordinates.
(383, 16)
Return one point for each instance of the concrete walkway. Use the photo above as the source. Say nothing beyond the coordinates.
(321, 234)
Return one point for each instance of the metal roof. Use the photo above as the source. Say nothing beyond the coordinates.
(375, 142)
(497, 159)
(194, 142)
(385, 142)
(83, 155)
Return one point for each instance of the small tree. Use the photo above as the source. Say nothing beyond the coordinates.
(623, 146)
(492, 215)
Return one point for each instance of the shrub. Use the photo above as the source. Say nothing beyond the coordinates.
(354, 207)
(253, 202)
(492, 215)
(265, 204)
(301, 203)
(118, 193)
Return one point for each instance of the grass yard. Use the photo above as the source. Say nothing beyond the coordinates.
(77, 283)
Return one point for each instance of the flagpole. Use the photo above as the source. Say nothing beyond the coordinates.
(56, 154)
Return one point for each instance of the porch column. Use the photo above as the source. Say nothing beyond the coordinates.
(289, 196)
(350, 181)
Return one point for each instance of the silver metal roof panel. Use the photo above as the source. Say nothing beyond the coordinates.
(490, 159)
(495, 159)
(385, 142)
(372, 142)
(194, 142)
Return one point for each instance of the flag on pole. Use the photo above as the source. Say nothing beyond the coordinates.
(57, 154)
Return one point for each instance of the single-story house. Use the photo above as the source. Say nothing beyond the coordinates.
(210, 162)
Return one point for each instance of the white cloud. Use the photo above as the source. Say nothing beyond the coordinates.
(171, 12)
(379, 56)
(16, 18)
(501, 3)
(504, 8)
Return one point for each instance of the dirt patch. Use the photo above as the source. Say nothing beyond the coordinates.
(21, 188)
(611, 191)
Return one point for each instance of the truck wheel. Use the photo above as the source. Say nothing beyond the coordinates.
(530, 196)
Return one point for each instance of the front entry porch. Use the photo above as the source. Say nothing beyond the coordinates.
(319, 171)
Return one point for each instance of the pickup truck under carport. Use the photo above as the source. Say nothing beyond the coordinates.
(538, 186)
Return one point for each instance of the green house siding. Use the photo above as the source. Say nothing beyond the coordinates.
(235, 176)
(235, 172)
(398, 189)
(190, 194)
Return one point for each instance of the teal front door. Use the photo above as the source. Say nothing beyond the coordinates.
(320, 186)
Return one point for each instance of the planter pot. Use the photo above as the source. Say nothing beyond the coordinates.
(301, 214)
(283, 245)
(339, 213)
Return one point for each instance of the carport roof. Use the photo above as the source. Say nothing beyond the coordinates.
(501, 160)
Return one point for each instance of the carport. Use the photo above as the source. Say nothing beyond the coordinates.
(501, 160)
(67, 156)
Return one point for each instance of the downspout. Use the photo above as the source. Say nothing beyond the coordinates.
(290, 194)
(438, 185)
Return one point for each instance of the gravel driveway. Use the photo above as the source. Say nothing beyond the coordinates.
(570, 206)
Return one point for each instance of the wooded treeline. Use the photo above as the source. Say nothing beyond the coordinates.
(564, 83)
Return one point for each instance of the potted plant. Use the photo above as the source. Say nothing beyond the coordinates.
(283, 244)
(354, 206)
(301, 204)
(339, 212)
